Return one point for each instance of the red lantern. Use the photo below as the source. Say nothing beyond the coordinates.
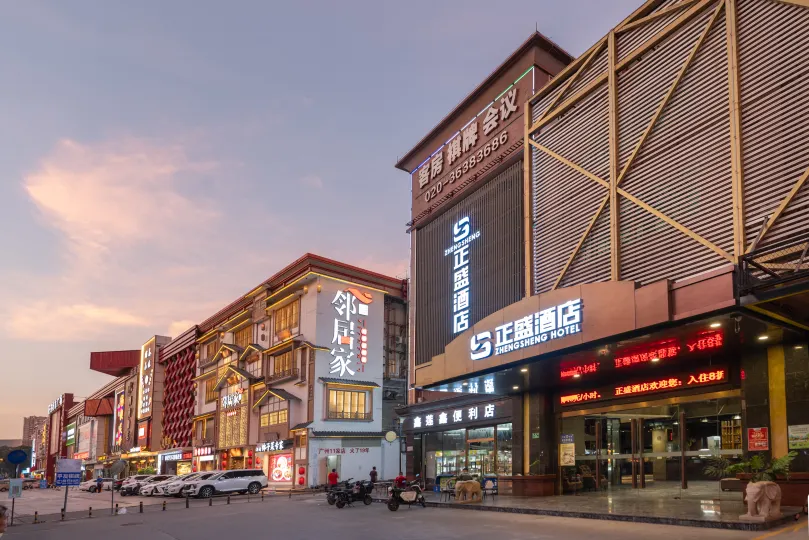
(249, 453)
(193, 468)
(301, 470)
(300, 481)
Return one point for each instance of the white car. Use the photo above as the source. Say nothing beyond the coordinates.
(175, 487)
(92, 485)
(149, 486)
(236, 481)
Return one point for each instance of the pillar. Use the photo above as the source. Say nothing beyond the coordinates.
(778, 402)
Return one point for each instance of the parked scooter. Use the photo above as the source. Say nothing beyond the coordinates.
(331, 495)
(360, 492)
(412, 494)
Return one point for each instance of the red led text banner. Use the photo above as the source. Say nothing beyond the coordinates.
(662, 384)
(669, 349)
(568, 372)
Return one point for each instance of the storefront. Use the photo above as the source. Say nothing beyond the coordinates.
(140, 460)
(204, 459)
(175, 462)
(276, 459)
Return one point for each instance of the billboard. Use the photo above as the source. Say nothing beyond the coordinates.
(70, 434)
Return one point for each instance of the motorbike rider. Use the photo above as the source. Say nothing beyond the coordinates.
(401, 480)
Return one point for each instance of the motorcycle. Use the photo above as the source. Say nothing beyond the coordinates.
(410, 495)
(331, 495)
(360, 492)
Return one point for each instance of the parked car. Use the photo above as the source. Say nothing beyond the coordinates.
(133, 488)
(175, 487)
(92, 485)
(135, 478)
(151, 488)
(236, 481)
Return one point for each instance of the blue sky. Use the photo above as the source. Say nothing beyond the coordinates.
(157, 159)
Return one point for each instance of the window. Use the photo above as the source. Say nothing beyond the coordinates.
(283, 362)
(275, 417)
(348, 405)
(208, 433)
(254, 366)
(286, 318)
(211, 394)
(242, 337)
(210, 350)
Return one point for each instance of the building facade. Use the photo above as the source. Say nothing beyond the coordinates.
(293, 378)
(31, 425)
(650, 309)
(56, 446)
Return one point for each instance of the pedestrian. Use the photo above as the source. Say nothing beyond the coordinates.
(401, 480)
(464, 476)
(374, 475)
(99, 484)
(333, 477)
(2, 519)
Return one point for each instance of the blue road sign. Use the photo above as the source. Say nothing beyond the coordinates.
(17, 456)
(43, 484)
(68, 479)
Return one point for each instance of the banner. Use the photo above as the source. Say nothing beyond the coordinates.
(758, 439)
(798, 437)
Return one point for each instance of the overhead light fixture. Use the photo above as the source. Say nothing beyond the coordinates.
(676, 423)
(465, 383)
(798, 347)
(516, 387)
(704, 420)
(763, 337)
(577, 375)
(737, 417)
(655, 359)
(524, 370)
(716, 325)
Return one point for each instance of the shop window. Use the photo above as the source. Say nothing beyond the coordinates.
(210, 349)
(348, 405)
(300, 440)
(286, 318)
(273, 418)
(211, 393)
(242, 337)
(504, 460)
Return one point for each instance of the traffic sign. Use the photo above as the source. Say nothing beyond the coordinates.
(68, 472)
(17, 456)
(15, 488)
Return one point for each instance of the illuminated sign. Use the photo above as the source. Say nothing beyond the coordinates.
(70, 432)
(351, 306)
(551, 323)
(281, 468)
(175, 456)
(56, 404)
(118, 418)
(273, 446)
(707, 377)
(81, 455)
(462, 236)
(579, 398)
(231, 400)
(578, 371)
(134, 450)
(654, 353)
(641, 388)
(145, 386)
(203, 451)
(331, 451)
(706, 341)
(475, 412)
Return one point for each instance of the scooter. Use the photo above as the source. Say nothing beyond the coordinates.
(360, 492)
(331, 495)
(410, 495)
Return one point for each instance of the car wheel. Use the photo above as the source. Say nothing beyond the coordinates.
(341, 503)
(254, 488)
(393, 505)
(367, 500)
(206, 492)
(92, 489)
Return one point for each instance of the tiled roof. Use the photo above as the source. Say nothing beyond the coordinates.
(301, 426)
(369, 384)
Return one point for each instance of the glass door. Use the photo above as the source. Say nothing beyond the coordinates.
(481, 451)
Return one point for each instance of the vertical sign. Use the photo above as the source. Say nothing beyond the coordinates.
(758, 439)
(146, 379)
(462, 236)
(118, 422)
(350, 338)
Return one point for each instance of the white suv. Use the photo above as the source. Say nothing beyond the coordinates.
(174, 487)
(237, 481)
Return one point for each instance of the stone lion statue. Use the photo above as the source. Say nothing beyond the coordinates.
(763, 501)
(467, 490)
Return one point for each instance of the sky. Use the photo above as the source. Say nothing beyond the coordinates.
(159, 159)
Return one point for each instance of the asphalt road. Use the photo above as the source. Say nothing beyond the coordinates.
(307, 517)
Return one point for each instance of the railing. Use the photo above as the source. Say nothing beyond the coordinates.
(341, 415)
(281, 375)
(779, 264)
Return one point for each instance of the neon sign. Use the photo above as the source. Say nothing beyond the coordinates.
(707, 377)
(351, 306)
(579, 398)
(551, 323)
(640, 388)
(655, 353)
(462, 236)
(710, 340)
(231, 400)
(578, 371)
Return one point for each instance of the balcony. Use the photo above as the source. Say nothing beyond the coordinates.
(281, 375)
(778, 266)
(202, 441)
(340, 415)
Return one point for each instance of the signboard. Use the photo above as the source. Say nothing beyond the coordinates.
(15, 488)
(56, 403)
(567, 455)
(798, 437)
(551, 323)
(232, 400)
(462, 236)
(480, 144)
(203, 451)
(281, 468)
(174, 456)
(350, 338)
(118, 419)
(717, 375)
(758, 439)
(17, 456)
(43, 484)
(68, 472)
(81, 455)
(274, 446)
(335, 451)
(454, 416)
(146, 374)
(566, 438)
(70, 431)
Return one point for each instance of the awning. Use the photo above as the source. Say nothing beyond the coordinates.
(238, 371)
(302, 425)
(275, 392)
(251, 348)
(347, 382)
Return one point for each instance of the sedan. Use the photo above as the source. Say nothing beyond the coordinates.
(92, 485)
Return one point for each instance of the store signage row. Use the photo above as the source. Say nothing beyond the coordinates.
(578, 371)
(274, 446)
(177, 456)
(204, 451)
(56, 403)
(81, 455)
(232, 400)
(462, 236)
(551, 323)
(688, 380)
(454, 416)
(352, 308)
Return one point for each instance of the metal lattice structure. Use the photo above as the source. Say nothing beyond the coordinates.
(179, 399)
(674, 145)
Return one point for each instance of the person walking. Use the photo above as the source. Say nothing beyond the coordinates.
(99, 484)
(374, 475)
(333, 478)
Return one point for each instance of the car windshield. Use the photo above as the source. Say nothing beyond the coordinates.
(205, 476)
(192, 476)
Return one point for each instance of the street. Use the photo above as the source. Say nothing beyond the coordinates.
(306, 517)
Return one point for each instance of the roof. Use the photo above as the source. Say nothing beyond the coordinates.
(348, 434)
(179, 343)
(535, 39)
(302, 425)
(115, 363)
(331, 380)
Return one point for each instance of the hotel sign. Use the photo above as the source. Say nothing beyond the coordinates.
(146, 374)
(462, 236)
(551, 323)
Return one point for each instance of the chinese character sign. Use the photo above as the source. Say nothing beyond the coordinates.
(146, 374)
(349, 339)
(462, 237)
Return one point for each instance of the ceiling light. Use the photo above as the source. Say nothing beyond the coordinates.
(516, 387)
(465, 383)
(524, 370)
(655, 359)
(576, 376)
(798, 347)
(716, 325)
(704, 420)
(676, 423)
(763, 337)
(737, 417)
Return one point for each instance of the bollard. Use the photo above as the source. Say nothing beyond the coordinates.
(186, 502)
(210, 501)
(36, 517)
(116, 509)
(141, 507)
(262, 496)
(248, 496)
(164, 506)
(91, 512)
(228, 499)
(63, 514)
